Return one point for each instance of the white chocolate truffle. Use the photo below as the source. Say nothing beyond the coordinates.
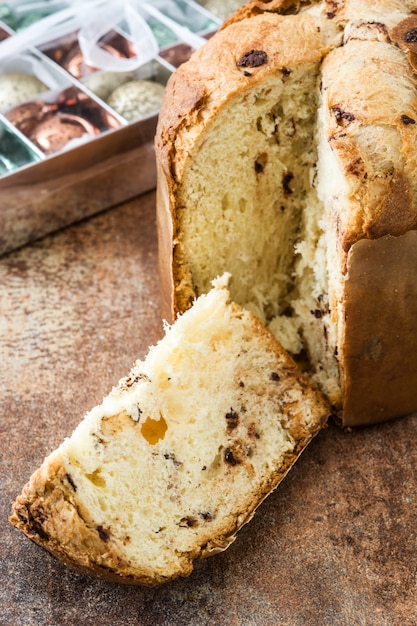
(17, 87)
(136, 99)
(103, 83)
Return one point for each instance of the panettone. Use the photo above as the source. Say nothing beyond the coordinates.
(286, 160)
(286, 156)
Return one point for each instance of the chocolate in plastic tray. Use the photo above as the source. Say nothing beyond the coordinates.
(81, 83)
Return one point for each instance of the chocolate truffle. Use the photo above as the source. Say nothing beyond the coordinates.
(103, 83)
(136, 99)
(18, 87)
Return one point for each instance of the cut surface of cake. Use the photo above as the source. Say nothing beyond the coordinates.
(179, 455)
(285, 148)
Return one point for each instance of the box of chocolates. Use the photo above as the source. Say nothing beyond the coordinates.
(81, 83)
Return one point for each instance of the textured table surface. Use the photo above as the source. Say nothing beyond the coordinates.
(335, 544)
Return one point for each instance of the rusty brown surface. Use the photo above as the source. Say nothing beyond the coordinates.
(335, 544)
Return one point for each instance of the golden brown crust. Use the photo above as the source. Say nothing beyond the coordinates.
(404, 34)
(165, 225)
(372, 129)
(379, 361)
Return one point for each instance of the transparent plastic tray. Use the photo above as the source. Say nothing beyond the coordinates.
(66, 154)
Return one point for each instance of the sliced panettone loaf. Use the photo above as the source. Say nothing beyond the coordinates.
(286, 156)
(179, 455)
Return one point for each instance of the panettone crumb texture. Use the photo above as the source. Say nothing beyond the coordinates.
(179, 455)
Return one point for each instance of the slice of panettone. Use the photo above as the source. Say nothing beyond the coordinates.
(179, 455)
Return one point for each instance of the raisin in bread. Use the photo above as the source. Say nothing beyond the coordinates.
(179, 455)
(286, 156)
